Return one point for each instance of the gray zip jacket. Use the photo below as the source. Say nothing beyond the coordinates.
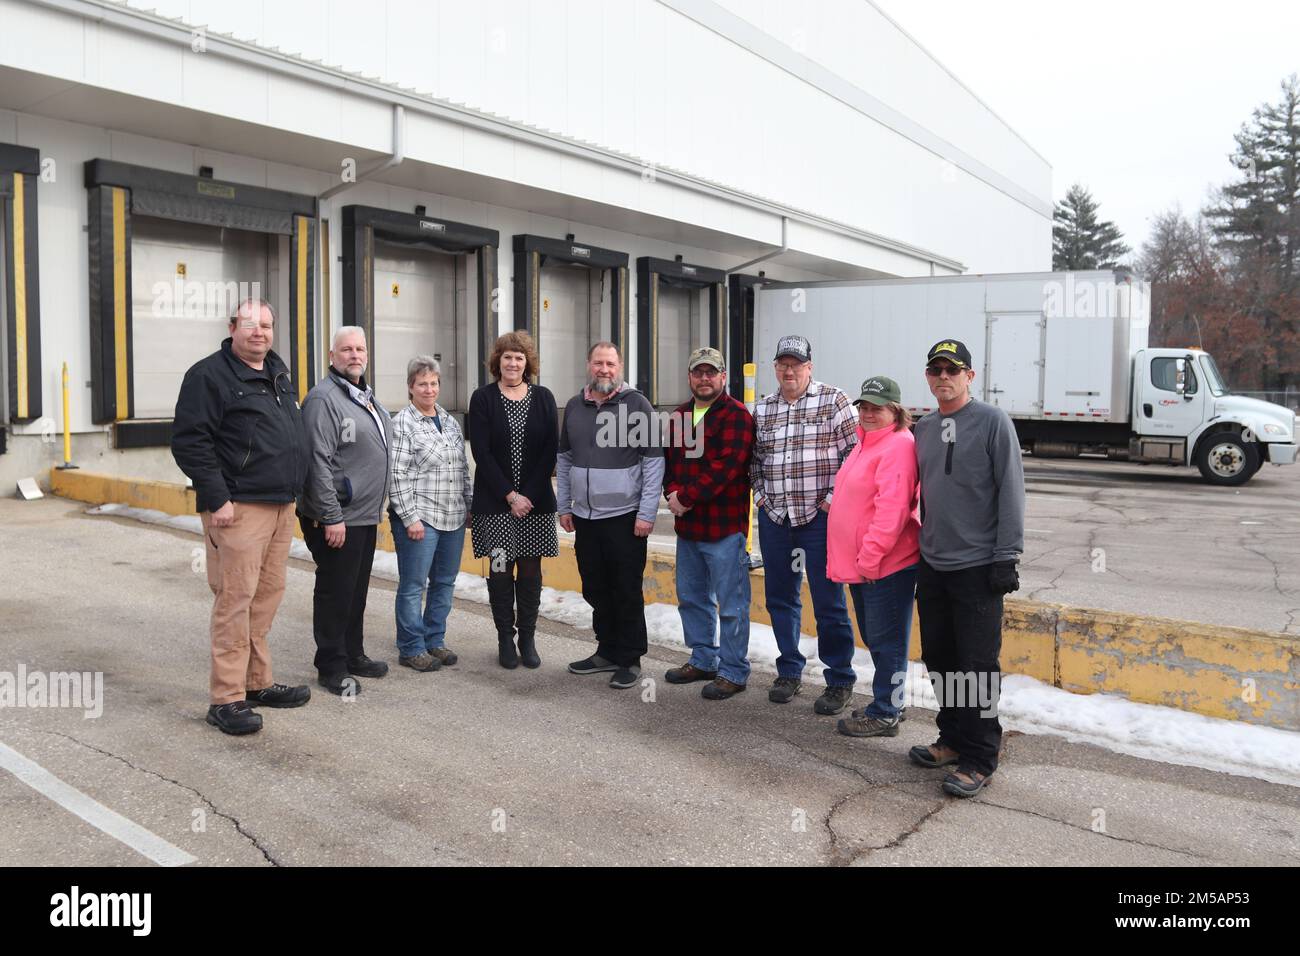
(348, 464)
(972, 487)
(611, 458)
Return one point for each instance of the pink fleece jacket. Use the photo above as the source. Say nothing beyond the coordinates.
(874, 526)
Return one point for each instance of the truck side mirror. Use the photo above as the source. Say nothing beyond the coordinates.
(1180, 376)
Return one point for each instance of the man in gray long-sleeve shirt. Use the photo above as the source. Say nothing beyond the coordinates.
(972, 531)
(350, 436)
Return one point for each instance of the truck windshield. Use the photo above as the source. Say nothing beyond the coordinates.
(1212, 376)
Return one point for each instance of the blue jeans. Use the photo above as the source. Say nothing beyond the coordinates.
(787, 552)
(884, 612)
(434, 561)
(713, 585)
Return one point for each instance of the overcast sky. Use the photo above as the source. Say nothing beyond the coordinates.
(1138, 100)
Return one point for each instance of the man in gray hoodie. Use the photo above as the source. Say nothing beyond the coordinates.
(972, 532)
(350, 435)
(609, 475)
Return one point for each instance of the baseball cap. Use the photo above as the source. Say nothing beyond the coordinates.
(796, 346)
(706, 356)
(952, 350)
(879, 390)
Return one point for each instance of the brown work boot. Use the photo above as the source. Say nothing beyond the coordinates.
(937, 754)
(420, 662)
(687, 674)
(444, 655)
(721, 689)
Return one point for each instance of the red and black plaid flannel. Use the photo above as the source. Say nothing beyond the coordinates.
(710, 472)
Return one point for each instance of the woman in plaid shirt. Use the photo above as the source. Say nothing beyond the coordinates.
(428, 506)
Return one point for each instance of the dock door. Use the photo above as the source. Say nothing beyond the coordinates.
(170, 257)
(420, 286)
(568, 296)
(680, 307)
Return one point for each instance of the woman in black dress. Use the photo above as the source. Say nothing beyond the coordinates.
(514, 431)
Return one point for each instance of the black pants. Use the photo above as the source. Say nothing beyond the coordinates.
(611, 561)
(961, 638)
(339, 599)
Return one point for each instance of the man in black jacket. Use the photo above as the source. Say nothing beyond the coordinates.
(238, 435)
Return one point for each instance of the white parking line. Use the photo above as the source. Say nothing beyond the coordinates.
(144, 842)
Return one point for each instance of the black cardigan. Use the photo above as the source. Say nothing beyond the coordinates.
(489, 438)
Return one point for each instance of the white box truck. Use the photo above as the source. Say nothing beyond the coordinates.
(1065, 353)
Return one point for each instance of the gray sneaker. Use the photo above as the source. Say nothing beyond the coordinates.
(595, 664)
(784, 690)
(625, 677)
(420, 662)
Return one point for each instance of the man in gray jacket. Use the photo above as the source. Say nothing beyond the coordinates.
(609, 474)
(350, 435)
(972, 532)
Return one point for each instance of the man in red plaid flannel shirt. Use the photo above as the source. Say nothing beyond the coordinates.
(706, 481)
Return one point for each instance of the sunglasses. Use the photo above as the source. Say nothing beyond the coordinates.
(952, 371)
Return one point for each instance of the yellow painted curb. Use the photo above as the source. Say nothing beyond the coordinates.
(1226, 672)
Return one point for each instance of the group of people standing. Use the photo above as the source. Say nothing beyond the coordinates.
(841, 498)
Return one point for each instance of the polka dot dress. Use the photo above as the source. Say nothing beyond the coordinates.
(531, 537)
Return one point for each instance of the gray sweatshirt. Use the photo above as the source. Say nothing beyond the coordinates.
(972, 487)
(611, 458)
(347, 470)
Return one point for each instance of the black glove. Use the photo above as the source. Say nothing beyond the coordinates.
(1003, 578)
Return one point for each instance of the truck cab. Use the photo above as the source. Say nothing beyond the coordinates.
(1183, 413)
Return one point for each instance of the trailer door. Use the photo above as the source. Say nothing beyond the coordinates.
(415, 314)
(1014, 379)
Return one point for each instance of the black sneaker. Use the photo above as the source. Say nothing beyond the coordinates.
(278, 695)
(595, 664)
(365, 667)
(625, 677)
(784, 690)
(833, 700)
(235, 718)
(344, 685)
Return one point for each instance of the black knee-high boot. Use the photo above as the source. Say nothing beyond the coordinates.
(501, 596)
(528, 592)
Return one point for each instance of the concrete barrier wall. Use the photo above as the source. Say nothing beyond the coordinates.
(1226, 672)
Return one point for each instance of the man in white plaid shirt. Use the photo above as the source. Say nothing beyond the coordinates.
(803, 433)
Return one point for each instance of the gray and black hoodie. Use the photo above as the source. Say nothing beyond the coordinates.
(611, 457)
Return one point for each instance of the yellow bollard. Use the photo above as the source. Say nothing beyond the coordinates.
(67, 425)
(751, 374)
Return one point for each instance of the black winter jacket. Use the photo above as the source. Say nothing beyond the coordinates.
(238, 432)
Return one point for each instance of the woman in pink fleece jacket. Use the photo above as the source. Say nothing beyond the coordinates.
(871, 545)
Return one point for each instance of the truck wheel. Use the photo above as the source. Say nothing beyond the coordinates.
(1225, 458)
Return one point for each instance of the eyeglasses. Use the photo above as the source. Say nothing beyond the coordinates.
(704, 371)
(952, 371)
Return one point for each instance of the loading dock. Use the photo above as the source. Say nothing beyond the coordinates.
(170, 255)
(420, 286)
(569, 295)
(680, 307)
(20, 305)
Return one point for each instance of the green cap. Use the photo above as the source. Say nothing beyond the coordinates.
(706, 356)
(879, 390)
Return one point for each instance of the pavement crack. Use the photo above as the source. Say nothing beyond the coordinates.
(1277, 572)
(1101, 833)
(239, 827)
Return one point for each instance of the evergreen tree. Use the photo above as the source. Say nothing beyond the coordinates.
(1257, 217)
(1079, 239)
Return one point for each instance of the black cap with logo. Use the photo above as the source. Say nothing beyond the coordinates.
(796, 346)
(952, 350)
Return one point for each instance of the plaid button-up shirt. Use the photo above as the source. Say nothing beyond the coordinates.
(709, 469)
(430, 472)
(798, 448)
